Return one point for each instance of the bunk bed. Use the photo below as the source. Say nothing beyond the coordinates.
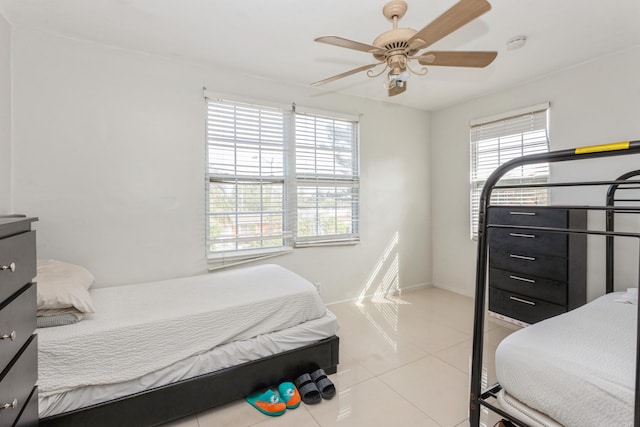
(555, 356)
(230, 333)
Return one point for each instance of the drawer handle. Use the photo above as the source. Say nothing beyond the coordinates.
(12, 405)
(11, 336)
(528, 258)
(522, 279)
(522, 300)
(523, 213)
(11, 267)
(528, 236)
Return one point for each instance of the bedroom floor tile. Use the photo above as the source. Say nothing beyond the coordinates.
(404, 361)
(459, 355)
(371, 403)
(434, 387)
(379, 354)
(299, 417)
(350, 372)
(235, 414)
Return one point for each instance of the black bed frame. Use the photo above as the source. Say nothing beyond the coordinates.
(163, 404)
(486, 398)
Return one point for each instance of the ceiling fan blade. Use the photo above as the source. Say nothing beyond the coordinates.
(457, 16)
(457, 58)
(345, 74)
(350, 44)
(396, 90)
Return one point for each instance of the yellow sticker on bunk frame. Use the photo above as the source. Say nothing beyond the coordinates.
(603, 147)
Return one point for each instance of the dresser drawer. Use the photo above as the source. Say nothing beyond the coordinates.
(17, 319)
(530, 286)
(517, 306)
(548, 267)
(529, 241)
(17, 262)
(29, 415)
(17, 381)
(529, 216)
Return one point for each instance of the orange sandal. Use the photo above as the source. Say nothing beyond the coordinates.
(267, 402)
(289, 394)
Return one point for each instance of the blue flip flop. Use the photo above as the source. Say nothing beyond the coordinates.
(267, 402)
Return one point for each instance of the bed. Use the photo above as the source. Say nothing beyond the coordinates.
(547, 366)
(578, 368)
(155, 352)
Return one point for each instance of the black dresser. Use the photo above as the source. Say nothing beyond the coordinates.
(18, 343)
(534, 275)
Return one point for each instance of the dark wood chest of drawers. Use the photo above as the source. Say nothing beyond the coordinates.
(18, 343)
(534, 275)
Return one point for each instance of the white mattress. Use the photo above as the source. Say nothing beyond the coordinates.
(577, 368)
(140, 329)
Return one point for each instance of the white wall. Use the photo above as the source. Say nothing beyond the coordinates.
(593, 103)
(5, 116)
(109, 154)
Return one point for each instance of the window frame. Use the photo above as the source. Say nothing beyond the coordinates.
(320, 178)
(529, 126)
(291, 181)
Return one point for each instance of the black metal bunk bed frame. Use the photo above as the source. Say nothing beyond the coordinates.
(478, 397)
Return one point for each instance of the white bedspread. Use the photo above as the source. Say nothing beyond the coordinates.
(139, 329)
(223, 356)
(577, 368)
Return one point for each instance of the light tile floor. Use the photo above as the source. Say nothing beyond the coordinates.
(404, 361)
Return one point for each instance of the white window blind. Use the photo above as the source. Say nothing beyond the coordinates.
(246, 148)
(327, 179)
(275, 178)
(497, 140)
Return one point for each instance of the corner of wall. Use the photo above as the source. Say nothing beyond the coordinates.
(6, 126)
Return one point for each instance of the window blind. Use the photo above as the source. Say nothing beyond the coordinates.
(327, 179)
(275, 177)
(497, 141)
(246, 148)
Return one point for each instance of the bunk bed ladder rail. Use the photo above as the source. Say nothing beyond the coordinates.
(477, 397)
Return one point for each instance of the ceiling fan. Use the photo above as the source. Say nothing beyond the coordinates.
(397, 47)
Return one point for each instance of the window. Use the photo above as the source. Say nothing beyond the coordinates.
(278, 179)
(496, 140)
(327, 182)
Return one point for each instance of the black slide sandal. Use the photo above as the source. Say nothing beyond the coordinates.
(326, 387)
(308, 390)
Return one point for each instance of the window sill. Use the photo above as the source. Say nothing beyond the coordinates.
(224, 260)
(300, 245)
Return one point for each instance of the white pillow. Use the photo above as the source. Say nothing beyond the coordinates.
(62, 285)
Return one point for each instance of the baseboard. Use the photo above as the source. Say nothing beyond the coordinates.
(413, 288)
(454, 290)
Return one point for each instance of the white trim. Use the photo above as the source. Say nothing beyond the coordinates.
(454, 290)
(222, 261)
(412, 288)
(510, 114)
(328, 114)
(219, 96)
(311, 244)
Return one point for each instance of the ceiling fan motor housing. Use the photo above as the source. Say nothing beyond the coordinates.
(395, 42)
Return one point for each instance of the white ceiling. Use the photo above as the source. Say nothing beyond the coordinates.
(273, 39)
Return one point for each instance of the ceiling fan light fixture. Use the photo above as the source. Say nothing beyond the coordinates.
(395, 49)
